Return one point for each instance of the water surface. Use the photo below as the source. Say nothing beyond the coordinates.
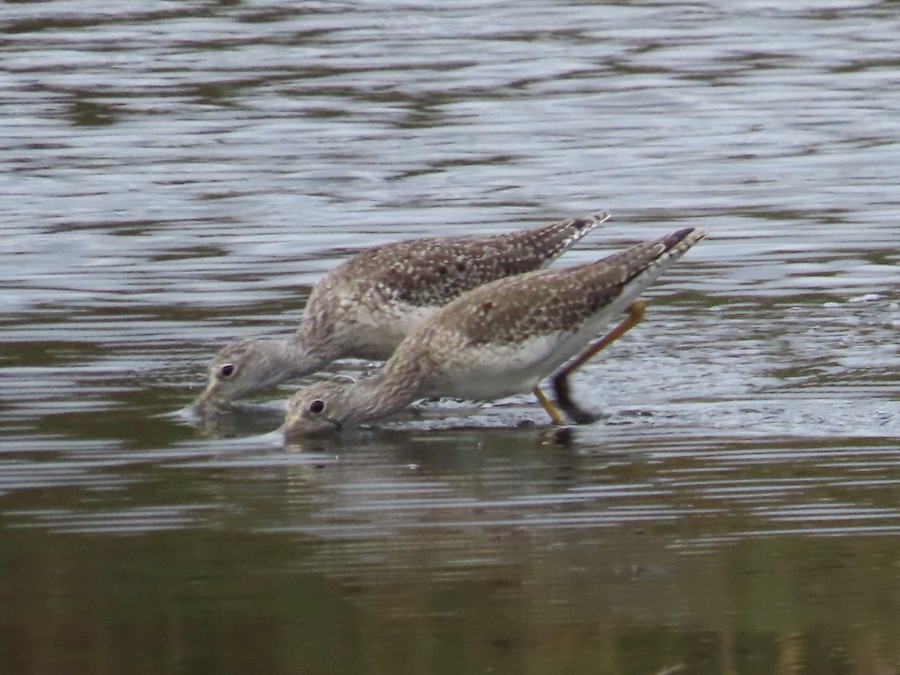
(177, 175)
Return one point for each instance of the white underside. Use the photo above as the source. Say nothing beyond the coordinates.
(375, 334)
(498, 371)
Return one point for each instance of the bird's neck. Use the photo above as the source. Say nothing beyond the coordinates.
(288, 358)
(396, 385)
(313, 345)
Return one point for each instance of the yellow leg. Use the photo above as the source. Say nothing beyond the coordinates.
(560, 380)
(547, 404)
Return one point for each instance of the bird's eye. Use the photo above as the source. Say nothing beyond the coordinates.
(226, 371)
(317, 407)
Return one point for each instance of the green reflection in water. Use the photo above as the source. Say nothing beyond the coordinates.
(612, 602)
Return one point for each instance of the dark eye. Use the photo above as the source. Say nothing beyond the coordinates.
(317, 407)
(226, 371)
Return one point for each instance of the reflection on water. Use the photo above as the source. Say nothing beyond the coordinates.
(178, 176)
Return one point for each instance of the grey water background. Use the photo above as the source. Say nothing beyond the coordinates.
(178, 174)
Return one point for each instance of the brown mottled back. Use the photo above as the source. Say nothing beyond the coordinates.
(432, 272)
(545, 302)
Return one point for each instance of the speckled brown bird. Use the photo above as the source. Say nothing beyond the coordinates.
(366, 306)
(499, 339)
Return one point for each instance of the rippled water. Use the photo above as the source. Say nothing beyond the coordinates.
(177, 174)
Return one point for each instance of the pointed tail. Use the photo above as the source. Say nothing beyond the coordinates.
(539, 246)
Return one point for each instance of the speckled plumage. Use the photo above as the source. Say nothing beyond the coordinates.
(366, 306)
(498, 339)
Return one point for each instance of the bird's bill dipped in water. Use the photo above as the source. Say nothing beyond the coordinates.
(244, 367)
(309, 411)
